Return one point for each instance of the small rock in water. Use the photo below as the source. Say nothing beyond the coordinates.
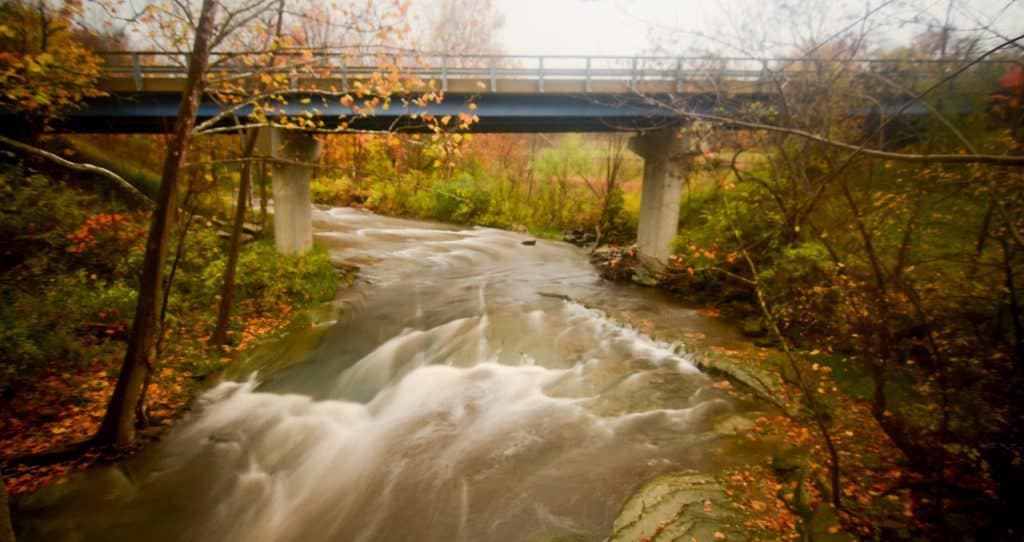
(245, 237)
(563, 297)
(616, 263)
(529, 242)
(754, 328)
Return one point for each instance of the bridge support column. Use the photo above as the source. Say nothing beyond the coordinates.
(667, 155)
(293, 206)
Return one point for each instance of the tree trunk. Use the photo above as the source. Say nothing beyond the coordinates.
(141, 409)
(119, 422)
(227, 294)
(263, 194)
(6, 530)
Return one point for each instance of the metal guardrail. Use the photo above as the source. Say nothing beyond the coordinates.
(487, 70)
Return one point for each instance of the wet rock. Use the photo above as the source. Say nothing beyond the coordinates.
(824, 526)
(345, 267)
(646, 277)
(529, 242)
(791, 466)
(579, 237)
(220, 439)
(565, 538)
(893, 530)
(734, 425)
(678, 506)
(555, 295)
(252, 229)
(601, 254)
(616, 263)
(754, 327)
(789, 463)
(246, 237)
(764, 383)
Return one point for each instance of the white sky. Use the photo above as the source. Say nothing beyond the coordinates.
(628, 27)
(572, 26)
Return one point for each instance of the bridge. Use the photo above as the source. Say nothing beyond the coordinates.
(525, 94)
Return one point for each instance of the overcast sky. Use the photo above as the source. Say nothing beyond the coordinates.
(633, 26)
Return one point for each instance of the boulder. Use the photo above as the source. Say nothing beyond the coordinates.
(824, 526)
(246, 237)
(754, 328)
(734, 425)
(685, 505)
(646, 277)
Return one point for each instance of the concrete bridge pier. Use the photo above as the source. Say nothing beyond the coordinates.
(293, 206)
(667, 154)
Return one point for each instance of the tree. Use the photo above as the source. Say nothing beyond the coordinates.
(905, 252)
(6, 531)
(119, 422)
(44, 70)
(254, 83)
(220, 331)
(463, 27)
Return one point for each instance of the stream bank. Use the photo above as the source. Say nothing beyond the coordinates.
(450, 396)
(797, 471)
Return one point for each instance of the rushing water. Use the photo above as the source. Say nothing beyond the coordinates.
(443, 399)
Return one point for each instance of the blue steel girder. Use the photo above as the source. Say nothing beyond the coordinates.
(152, 112)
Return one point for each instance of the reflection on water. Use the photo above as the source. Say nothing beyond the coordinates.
(448, 400)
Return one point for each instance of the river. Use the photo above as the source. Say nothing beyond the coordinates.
(441, 398)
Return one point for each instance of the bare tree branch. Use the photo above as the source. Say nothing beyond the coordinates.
(81, 167)
(994, 159)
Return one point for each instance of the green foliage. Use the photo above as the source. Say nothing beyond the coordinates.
(798, 266)
(61, 322)
(69, 262)
(459, 199)
(267, 279)
(44, 69)
(61, 295)
(910, 271)
(800, 283)
(332, 190)
(142, 176)
(559, 188)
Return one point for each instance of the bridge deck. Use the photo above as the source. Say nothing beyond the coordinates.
(511, 93)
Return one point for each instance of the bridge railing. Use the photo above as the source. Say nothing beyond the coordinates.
(487, 70)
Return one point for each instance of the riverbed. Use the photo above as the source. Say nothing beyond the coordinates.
(463, 389)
